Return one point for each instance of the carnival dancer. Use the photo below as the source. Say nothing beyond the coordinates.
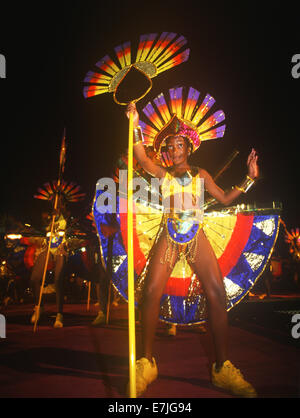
(57, 258)
(58, 193)
(182, 236)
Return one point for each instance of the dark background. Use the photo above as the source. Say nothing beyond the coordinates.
(240, 54)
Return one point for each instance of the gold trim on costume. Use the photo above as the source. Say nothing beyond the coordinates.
(245, 185)
(138, 98)
(137, 135)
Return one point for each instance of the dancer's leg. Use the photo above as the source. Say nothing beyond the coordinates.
(37, 275)
(208, 271)
(224, 374)
(155, 282)
(59, 281)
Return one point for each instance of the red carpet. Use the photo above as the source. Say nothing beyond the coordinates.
(80, 361)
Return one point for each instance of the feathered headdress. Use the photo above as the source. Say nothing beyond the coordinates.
(70, 191)
(152, 58)
(183, 116)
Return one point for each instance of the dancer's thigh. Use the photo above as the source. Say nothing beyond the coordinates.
(207, 268)
(39, 265)
(158, 272)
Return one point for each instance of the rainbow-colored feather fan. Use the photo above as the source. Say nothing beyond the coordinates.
(189, 112)
(152, 58)
(292, 236)
(70, 191)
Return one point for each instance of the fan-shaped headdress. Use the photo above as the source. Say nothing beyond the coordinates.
(70, 191)
(292, 236)
(151, 59)
(183, 116)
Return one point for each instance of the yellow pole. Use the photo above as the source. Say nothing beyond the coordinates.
(131, 308)
(46, 262)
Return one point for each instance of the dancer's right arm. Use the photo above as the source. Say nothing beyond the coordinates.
(139, 151)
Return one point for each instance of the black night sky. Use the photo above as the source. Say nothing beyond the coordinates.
(240, 54)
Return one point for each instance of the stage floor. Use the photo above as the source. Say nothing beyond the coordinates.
(80, 361)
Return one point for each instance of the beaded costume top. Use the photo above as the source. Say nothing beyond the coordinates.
(182, 205)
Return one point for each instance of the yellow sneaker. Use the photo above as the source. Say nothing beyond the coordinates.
(146, 373)
(99, 320)
(58, 321)
(231, 379)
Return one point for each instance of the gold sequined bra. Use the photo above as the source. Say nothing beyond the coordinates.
(182, 205)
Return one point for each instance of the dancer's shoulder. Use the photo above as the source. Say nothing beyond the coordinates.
(199, 171)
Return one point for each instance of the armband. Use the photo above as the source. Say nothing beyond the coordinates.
(245, 185)
(137, 136)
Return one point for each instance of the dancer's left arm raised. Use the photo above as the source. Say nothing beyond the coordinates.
(227, 197)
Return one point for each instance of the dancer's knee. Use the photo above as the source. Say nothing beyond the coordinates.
(152, 293)
(216, 294)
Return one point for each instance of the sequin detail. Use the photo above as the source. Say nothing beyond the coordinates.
(182, 225)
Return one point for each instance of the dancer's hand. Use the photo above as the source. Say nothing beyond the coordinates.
(253, 170)
(131, 108)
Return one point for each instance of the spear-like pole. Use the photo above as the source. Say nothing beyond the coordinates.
(227, 164)
(212, 201)
(131, 312)
(62, 158)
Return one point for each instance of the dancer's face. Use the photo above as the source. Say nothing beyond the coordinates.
(178, 150)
